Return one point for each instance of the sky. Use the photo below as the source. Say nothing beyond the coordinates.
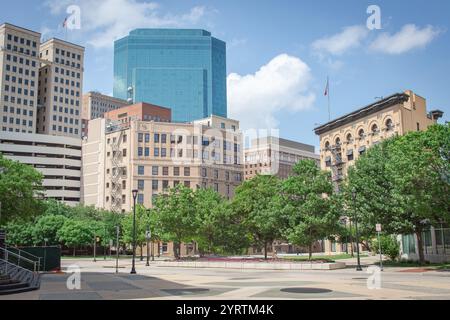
(279, 53)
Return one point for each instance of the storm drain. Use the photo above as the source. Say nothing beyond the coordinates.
(306, 290)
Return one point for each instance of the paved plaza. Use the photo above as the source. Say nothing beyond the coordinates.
(99, 281)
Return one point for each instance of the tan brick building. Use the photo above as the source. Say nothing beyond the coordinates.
(154, 156)
(60, 88)
(344, 139)
(95, 105)
(277, 156)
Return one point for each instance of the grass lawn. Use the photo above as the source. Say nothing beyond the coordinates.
(323, 258)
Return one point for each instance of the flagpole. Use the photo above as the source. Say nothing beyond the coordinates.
(329, 109)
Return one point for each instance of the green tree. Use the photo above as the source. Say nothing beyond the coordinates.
(420, 173)
(313, 212)
(47, 227)
(142, 223)
(175, 216)
(218, 228)
(258, 202)
(20, 233)
(20, 191)
(76, 233)
(372, 185)
(403, 183)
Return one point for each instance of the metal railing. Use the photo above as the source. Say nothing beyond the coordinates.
(20, 274)
(19, 260)
(25, 254)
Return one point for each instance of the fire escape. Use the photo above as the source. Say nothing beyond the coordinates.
(116, 174)
(337, 165)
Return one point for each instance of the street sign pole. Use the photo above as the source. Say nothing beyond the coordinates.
(378, 227)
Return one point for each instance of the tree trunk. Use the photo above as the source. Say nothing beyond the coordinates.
(310, 251)
(265, 250)
(74, 250)
(420, 247)
(142, 249)
(176, 250)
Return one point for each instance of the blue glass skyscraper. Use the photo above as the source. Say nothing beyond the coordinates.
(183, 69)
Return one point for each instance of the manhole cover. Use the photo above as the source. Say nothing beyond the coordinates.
(305, 290)
(184, 292)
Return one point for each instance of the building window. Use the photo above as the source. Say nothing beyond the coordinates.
(375, 129)
(147, 152)
(141, 170)
(176, 171)
(140, 151)
(216, 174)
(187, 172)
(141, 184)
(156, 152)
(155, 170)
(216, 187)
(156, 137)
(165, 171)
(389, 125)
(140, 199)
(349, 138)
(418, 126)
(147, 138)
(165, 184)
(163, 138)
(155, 185)
(204, 172)
(140, 137)
(361, 134)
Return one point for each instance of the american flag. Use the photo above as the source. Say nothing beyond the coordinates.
(327, 88)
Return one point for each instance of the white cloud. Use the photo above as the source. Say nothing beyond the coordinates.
(350, 37)
(284, 84)
(408, 38)
(109, 20)
(236, 42)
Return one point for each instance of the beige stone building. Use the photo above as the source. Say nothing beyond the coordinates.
(277, 156)
(19, 71)
(95, 105)
(154, 156)
(344, 139)
(60, 88)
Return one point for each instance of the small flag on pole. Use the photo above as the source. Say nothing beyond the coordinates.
(65, 23)
(327, 88)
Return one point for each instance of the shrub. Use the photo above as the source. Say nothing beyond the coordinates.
(389, 246)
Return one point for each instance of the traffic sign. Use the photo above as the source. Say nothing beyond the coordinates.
(378, 227)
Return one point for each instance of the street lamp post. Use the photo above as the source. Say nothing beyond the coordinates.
(133, 268)
(148, 238)
(358, 268)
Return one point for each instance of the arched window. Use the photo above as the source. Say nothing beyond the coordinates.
(389, 125)
(338, 141)
(349, 137)
(374, 129)
(361, 133)
(327, 145)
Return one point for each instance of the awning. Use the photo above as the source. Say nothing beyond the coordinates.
(350, 152)
(362, 149)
